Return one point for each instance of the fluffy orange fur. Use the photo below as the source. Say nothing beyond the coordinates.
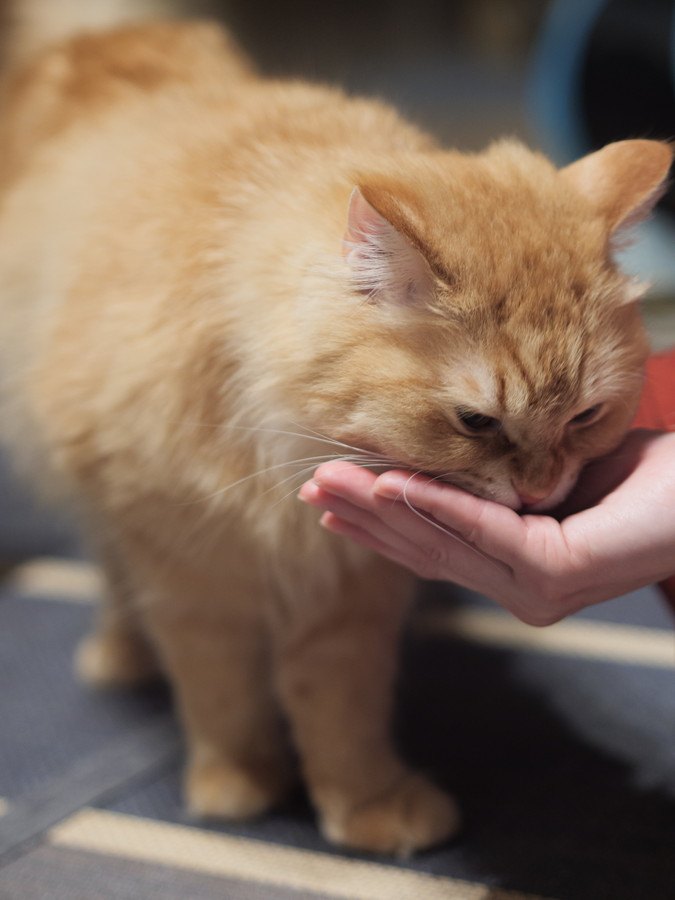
(210, 281)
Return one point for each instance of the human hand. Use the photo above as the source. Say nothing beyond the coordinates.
(537, 567)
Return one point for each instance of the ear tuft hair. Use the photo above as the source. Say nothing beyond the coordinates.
(383, 263)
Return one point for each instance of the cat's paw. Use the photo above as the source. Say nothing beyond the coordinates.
(106, 660)
(413, 815)
(225, 790)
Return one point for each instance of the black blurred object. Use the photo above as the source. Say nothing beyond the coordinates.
(627, 77)
(603, 71)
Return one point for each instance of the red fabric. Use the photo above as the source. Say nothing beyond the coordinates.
(657, 404)
(657, 410)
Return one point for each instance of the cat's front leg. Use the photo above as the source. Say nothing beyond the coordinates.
(337, 664)
(117, 653)
(211, 635)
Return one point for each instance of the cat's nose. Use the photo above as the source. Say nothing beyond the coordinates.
(531, 499)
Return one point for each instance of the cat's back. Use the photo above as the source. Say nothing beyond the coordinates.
(80, 81)
(150, 183)
(122, 152)
(99, 119)
(177, 72)
(91, 131)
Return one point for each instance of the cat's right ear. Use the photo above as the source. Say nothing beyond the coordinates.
(383, 264)
(623, 181)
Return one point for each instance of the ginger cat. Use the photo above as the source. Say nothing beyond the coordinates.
(209, 282)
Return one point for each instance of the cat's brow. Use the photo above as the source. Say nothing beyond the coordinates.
(500, 378)
(519, 366)
(556, 378)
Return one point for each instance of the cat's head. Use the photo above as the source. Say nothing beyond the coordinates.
(490, 338)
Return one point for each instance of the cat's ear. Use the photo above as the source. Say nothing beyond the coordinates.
(382, 262)
(623, 181)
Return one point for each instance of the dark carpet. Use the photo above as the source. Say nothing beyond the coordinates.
(561, 753)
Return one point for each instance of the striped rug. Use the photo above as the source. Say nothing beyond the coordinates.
(559, 744)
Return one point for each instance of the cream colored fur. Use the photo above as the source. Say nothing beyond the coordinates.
(35, 24)
(190, 322)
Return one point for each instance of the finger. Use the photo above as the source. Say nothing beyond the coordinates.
(352, 482)
(343, 527)
(394, 523)
(415, 542)
(441, 551)
(409, 556)
(495, 530)
(501, 590)
(360, 518)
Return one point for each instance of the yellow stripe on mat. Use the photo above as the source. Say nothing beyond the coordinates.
(79, 581)
(581, 637)
(4, 806)
(58, 579)
(181, 847)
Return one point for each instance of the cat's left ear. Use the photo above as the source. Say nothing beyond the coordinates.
(383, 263)
(623, 181)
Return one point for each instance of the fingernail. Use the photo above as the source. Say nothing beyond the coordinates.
(308, 491)
(390, 485)
(326, 479)
(319, 477)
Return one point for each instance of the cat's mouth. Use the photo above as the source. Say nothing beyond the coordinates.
(496, 490)
(380, 462)
(506, 494)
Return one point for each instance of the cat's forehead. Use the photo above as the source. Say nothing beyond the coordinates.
(525, 264)
(536, 374)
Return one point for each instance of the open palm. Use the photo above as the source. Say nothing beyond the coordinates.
(616, 534)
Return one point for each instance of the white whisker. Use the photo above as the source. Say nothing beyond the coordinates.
(356, 460)
(319, 436)
(309, 433)
(432, 521)
(301, 474)
(316, 460)
(364, 465)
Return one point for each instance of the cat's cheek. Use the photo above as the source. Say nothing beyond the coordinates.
(504, 494)
(511, 500)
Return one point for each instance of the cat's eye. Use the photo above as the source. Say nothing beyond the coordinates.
(587, 416)
(477, 423)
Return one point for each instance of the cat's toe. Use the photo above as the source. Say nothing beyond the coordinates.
(225, 790)
(115, 660)
(412, 816)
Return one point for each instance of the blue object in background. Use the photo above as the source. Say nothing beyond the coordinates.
(554, 82)
(604, 70)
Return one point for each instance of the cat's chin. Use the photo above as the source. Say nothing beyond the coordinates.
(554, 499)
(507, 498)
(543, 507)
(506, 495)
